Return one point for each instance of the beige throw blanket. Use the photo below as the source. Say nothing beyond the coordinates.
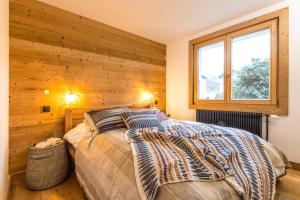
(201, 152)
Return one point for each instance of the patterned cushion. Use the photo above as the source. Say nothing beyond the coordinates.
(154, 110)
(106, 120)
(141, 119)
(162, 116)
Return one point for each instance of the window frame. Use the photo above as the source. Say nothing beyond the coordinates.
(272, 25)
(197, 47)
(278, 102)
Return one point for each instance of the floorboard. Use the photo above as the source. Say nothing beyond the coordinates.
(288, 188)
(68, 190)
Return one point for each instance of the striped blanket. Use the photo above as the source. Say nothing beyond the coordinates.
(190, 151)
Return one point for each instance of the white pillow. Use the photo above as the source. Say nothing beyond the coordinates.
(74, 135)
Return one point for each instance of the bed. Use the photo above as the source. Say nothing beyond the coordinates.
(105, 169)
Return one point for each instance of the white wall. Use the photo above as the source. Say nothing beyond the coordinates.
(285, 131)
(4, 42)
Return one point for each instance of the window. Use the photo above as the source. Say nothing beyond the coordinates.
(242, 68)
(250, 66)
(211, 71)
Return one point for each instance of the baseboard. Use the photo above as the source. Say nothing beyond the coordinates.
(295, 165)
(10, 181)
(6, 189)
(17, 177)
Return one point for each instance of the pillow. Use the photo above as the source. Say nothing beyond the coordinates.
(162, 116)
(105, 120)
(154, 110)
(74, 135)
(141, 120)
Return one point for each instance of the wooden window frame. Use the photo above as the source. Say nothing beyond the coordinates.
(196, 47)
(272, 25)
(278, 103)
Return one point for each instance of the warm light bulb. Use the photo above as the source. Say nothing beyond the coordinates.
(70, 98)
(147, 96)
(46, 92)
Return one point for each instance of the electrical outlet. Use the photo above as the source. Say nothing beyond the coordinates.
(46, 109)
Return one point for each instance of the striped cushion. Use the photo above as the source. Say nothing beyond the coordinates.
(141, 120)
(106, 120)
(154, 110)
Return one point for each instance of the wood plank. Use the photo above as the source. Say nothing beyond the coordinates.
(25, 20)
(68, 120)
(288, 186)
(48, 9)
(60, 51)
(70, 189)
(77, 32)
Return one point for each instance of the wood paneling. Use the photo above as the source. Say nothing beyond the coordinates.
(36, 21)
(56, 50)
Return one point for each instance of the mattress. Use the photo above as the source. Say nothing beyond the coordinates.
(105, 169)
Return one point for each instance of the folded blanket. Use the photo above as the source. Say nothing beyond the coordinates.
(199, 152)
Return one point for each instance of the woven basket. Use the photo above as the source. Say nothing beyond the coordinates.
(47, 167)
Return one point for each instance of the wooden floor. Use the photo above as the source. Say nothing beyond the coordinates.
(288, 188)
(70, 189)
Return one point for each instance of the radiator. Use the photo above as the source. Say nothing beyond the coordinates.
(251, 122)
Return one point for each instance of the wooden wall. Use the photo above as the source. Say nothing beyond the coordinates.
(60, 51)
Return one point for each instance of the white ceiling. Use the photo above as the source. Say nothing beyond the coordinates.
(161, 20)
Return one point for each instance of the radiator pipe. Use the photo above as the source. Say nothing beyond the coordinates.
(267, 126)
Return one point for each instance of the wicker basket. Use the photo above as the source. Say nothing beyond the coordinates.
(47, 167)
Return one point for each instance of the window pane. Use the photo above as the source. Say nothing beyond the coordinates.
(250, 62)
(211, 72)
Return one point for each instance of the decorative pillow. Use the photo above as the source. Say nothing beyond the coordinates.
(106, 120)
(162, 116)
(141, 120)
(154, 110)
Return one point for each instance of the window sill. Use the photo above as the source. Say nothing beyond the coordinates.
(278, 109)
